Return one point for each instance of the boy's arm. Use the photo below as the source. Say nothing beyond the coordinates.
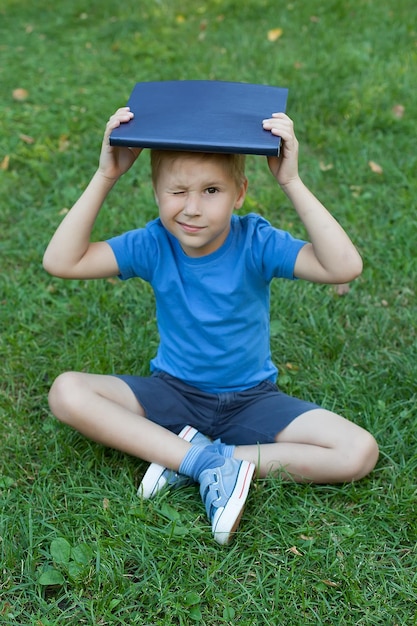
(330, 257)
(70, 253)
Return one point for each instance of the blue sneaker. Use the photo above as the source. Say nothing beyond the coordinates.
(224, 491)
(157, 477)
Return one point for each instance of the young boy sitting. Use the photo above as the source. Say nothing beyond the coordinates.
(211, 411)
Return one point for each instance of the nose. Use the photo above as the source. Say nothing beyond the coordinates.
(191, 206)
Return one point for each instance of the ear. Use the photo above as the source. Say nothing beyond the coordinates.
(156, 197)
(241, 195)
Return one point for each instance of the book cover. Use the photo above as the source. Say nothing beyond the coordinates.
(202, 116)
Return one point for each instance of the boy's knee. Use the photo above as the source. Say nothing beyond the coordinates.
(364, 456)
(63, 394)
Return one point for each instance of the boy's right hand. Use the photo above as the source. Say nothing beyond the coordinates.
(116, 160)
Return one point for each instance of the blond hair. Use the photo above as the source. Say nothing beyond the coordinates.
(233, 164)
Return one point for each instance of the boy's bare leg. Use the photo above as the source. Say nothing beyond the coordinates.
(318, 446)
(105, 409)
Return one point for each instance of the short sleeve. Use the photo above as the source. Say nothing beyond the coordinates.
(275, 251)
(136, 252)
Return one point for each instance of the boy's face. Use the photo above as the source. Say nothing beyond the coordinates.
(196, 199)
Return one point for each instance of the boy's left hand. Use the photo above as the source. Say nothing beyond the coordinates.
(284, 167)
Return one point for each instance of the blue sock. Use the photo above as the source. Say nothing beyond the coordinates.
(200, 458)
(224, 449)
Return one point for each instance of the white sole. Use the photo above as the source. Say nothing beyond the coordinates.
(226, 520)
(153, 480)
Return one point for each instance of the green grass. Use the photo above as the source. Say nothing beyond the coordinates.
(304, 554)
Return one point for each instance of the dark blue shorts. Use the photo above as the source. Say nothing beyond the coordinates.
(252, 416)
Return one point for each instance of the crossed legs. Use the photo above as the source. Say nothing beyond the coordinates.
(319, 446)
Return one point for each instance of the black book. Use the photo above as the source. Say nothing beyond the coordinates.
(202, 116)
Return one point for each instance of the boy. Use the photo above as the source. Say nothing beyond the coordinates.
(213, 373)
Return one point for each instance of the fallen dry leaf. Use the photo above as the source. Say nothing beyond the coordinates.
(26, 138)
(274, 34)
(291, 366)
(4, 165)
(20, 94)
(342, 289)
(330, 583)
(106, 503)
(306, 537)
(356, 190)
(325, 167)
(294, 550)
(377, 169)
(398, 110)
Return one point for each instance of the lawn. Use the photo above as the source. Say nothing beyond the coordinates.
(76, 544)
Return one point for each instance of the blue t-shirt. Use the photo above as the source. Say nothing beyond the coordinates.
(212, 311)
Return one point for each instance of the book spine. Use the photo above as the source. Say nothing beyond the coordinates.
(126, 142)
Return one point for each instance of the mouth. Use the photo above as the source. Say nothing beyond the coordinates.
(190, 228)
